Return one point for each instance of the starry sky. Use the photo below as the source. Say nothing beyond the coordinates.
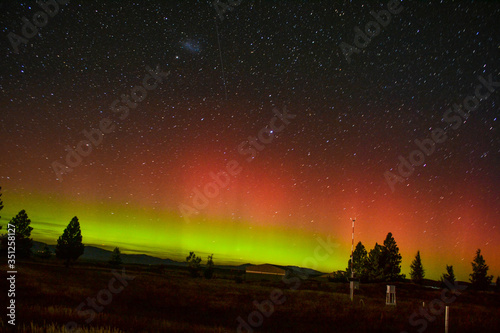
(216, 86)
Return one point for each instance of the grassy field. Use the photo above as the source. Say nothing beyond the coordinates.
(169, 300)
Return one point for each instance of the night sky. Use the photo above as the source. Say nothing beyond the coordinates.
(191, 118)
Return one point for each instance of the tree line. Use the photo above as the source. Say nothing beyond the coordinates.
(383, 264)
(69, 245)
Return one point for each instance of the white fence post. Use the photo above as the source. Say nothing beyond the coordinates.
(446, 320)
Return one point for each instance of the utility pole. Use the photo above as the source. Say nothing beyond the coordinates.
(352, 261)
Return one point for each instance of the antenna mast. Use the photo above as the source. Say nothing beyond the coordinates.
(352, 261)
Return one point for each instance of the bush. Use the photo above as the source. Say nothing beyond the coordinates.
(338, 276)
(45, 253)
(193, 264)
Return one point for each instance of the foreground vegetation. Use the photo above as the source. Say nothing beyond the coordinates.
(167, 299)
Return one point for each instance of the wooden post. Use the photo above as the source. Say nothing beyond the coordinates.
(446, 316)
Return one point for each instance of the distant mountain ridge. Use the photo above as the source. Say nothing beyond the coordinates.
(98, 254)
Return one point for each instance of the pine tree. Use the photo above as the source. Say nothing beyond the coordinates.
(21, 224)
(391, 260)
(360, 263)
(417, 272)
(479, 277)
(209, 270)
(1, 202)
(69, 246)
(3, 237)
(374, 264)
(116, 259)
(448, 276)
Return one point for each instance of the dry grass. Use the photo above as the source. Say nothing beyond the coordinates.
(47, 297)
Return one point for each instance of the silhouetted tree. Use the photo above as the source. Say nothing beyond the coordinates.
(375, 264)
(21, 222)
(479, 278)
(193, 264)
(3, 237)
(498, 283)
(417, 272)
(360, 263)
(116, 259)
(391, 260)
(209, 270)
(1, 202)
(69, 246)
(448, 276)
